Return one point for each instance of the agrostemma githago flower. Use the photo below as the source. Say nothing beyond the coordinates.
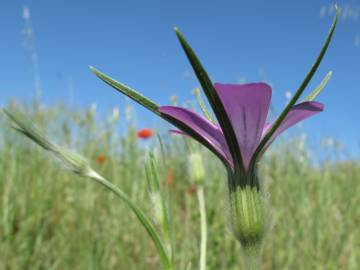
(240, 135)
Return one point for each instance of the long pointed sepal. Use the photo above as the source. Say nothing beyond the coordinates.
(213, 99)
(126, 90)
(298, 93)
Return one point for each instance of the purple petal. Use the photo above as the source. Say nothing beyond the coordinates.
(205, 129)
(247, 106)
(297, 113)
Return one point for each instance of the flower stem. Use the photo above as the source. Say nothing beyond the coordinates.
(202, 209)
(252, 257)
(142, 217)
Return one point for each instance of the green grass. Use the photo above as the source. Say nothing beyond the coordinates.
(51, 219)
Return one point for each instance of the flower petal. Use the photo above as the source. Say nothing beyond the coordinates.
(207, 131)
(296, 114)
(247, 106)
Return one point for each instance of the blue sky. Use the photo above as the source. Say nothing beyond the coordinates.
(134, 42)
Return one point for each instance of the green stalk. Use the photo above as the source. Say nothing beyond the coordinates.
(78, 165)
(252, 259)
(202, 209)
(159, 202)
(144, 220)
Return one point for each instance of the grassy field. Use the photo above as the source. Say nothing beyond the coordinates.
(51, 219)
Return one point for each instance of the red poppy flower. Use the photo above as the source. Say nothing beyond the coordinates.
(145, 133)
(101, 159)
(169, 179)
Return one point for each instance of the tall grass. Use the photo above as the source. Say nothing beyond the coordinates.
(50, 219)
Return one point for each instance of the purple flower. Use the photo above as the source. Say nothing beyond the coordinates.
(247, 107)
(241, 134)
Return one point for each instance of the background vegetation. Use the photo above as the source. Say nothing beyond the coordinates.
(51, 219)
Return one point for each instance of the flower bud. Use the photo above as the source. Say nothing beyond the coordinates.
(196, 168)
(158, 208)
(115, 115)
(154, 189)
(247, 215)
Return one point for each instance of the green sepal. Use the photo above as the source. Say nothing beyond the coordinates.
(126, 90)
(214, 101)
(298, 93)
(153, 107)
(21, 124)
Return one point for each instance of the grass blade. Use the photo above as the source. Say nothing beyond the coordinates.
(319, 88)
(202, 105)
